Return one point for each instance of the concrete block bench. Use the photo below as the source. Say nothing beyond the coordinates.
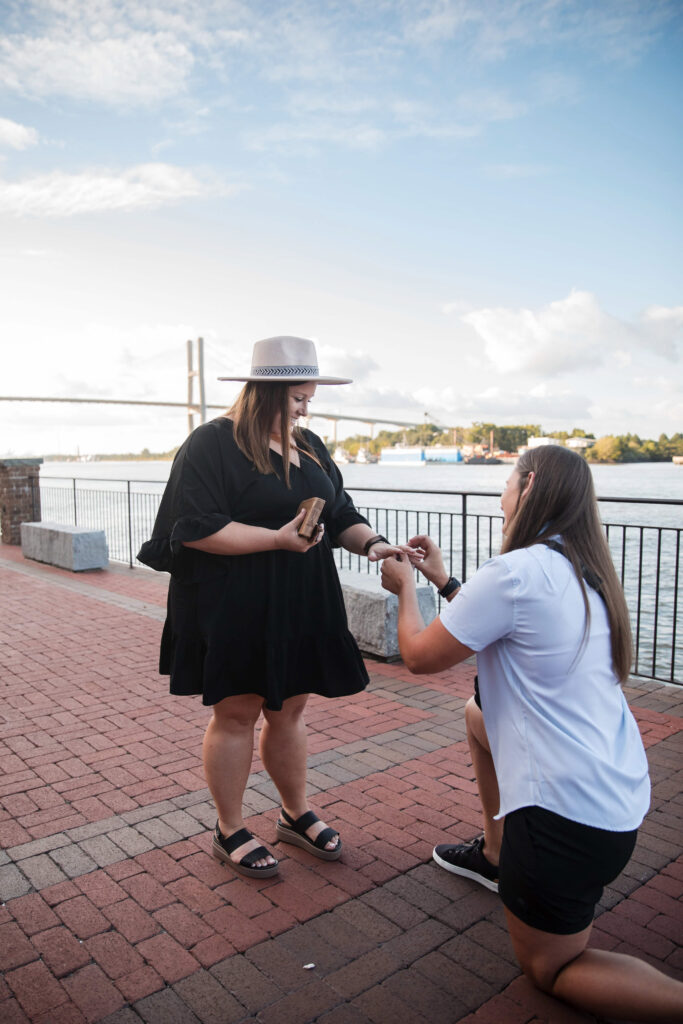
(373, 612)
(69, 547)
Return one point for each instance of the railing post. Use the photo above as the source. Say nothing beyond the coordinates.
(130, 528)
(463, 571)
(675, 610)
(656, 614)
(75, 504)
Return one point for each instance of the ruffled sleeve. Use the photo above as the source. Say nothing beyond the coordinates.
(342, 513)
(194, 505)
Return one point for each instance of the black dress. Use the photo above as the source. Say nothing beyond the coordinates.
(271, 623)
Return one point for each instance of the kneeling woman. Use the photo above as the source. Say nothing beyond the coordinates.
(559, 762)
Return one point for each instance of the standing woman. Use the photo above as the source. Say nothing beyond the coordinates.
(256, 619)
(559, 762)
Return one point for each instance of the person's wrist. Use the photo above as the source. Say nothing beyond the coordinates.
(440, 580)
(450, 587)
(371, 541)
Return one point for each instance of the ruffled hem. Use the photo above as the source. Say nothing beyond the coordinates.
(156, 554)
(196, 528)
(165, 554)
(328, 666)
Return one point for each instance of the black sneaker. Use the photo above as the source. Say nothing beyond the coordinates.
(468, 859)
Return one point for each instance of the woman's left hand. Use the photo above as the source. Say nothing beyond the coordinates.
(397, 573)
(378, 552)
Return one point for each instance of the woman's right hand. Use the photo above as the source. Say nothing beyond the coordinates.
(287, 538)
(432, 565)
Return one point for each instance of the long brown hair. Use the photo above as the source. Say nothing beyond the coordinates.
(259, 405)
(562, 501)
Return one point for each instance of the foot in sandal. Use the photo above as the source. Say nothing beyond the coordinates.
(322, 842)
(223, 848)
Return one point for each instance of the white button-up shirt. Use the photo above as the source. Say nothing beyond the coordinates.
(561, 733)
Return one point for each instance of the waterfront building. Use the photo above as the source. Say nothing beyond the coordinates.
(403, 455)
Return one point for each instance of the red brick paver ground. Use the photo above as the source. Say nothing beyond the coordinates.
(113, 909)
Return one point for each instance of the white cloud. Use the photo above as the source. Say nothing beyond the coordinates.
(571, 334)
(552, 339)
(146, 186)
(396, 401)
(138, 67)
(662, 328)
(505, 404)
(16, 136)
(340, 363)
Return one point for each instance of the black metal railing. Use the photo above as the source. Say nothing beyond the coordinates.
(646, 554)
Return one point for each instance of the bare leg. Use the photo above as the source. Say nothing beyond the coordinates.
(602, 983)
(228, 750)
(283, 752)
(487, 781)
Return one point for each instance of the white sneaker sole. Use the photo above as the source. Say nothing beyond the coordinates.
(474, 875)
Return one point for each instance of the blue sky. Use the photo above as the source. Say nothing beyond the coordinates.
(473, 207)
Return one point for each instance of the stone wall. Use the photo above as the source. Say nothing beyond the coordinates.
(372, 612)
(19, 496)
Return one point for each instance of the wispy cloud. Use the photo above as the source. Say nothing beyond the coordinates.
(137, 67)
(504, 172)
(143, 187)
(124, 53)
(16, 136)
(486, 105)
(619, 30)
(354, 135)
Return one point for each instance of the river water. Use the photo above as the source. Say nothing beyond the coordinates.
(642, 480)
(645, 539)
(634, 479)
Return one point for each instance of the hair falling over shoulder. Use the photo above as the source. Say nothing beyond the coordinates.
(562, 502)
(253, 413)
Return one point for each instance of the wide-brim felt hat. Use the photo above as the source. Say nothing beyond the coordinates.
(286, 359)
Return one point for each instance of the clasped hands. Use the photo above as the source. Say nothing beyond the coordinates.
(424, 555)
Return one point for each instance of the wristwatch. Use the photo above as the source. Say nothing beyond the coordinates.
(449, 587)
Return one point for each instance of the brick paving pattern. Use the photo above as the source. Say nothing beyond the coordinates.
(113, 909)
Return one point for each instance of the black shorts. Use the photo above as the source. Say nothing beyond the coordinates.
(553, 870)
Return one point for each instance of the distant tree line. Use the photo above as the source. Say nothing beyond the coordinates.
(630, 448)
(142, 456)
(610, 448)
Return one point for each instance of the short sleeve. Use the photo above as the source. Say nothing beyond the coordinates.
(201, 505)
(342, 513)
(195, 503)
(483, 610)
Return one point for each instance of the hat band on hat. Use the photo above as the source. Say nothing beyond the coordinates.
(284, 371)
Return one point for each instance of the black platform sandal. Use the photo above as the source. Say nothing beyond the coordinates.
(223, 846)
(291, 831)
